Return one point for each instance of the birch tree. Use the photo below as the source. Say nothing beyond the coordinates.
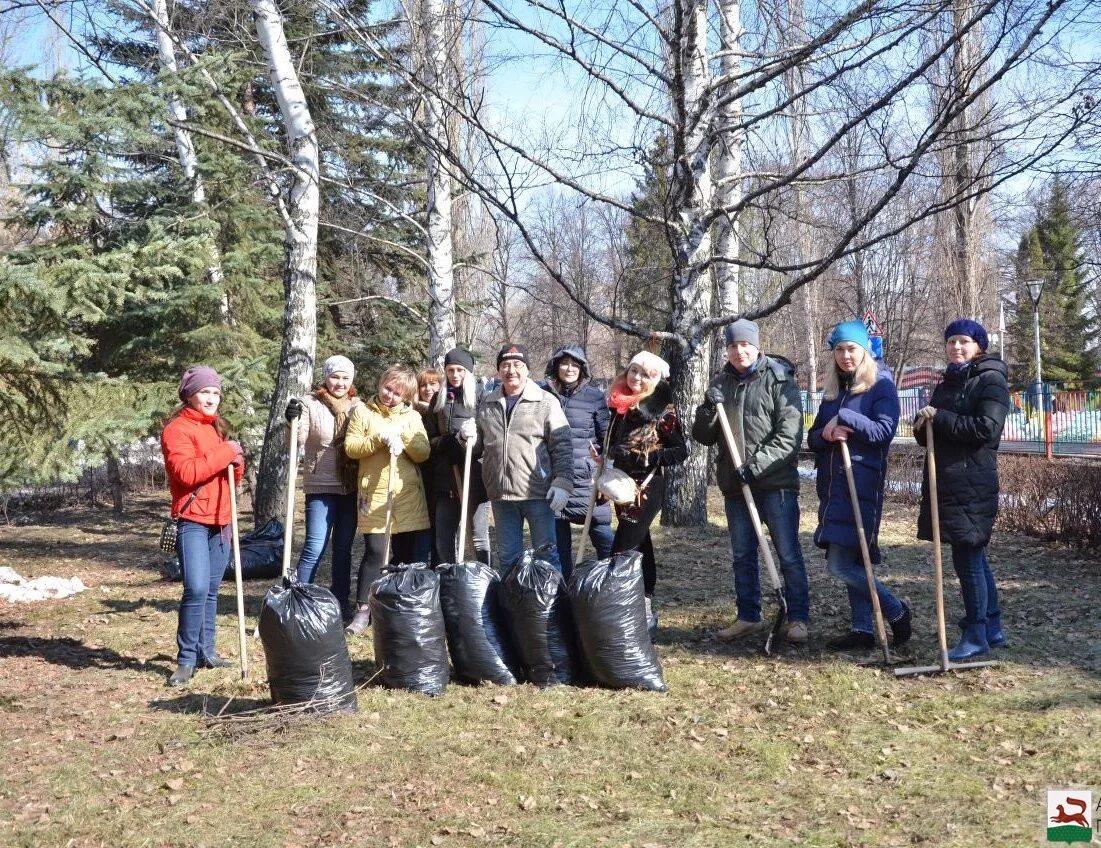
(296, 357)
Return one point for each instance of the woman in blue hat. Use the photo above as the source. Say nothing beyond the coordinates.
(967, 412)
(859, 407)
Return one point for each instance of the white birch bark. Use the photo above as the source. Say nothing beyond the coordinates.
(728, 162)
(185, 148)
(296, 358)
(961, 171)
(692, 194)
(441, 266)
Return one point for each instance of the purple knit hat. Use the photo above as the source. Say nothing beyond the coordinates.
(196, 378)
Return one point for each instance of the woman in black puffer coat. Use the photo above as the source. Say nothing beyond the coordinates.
(646, 438)
(568, 380)
(967, 412)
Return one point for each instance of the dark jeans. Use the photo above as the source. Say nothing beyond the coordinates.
(847, 564)
(633, 530)
(329, 516)
(410, 547)
(779, 511)
(599, 534)
(980, 594)
(446, 513)
(509, 518)
(204, 554)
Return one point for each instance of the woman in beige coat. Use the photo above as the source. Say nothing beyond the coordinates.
(387, 436)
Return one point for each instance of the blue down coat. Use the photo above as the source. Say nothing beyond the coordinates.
(873, 417)
(588, 413)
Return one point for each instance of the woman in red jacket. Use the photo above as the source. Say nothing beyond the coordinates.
(196, 455)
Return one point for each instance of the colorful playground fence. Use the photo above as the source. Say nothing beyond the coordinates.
(1054, 421)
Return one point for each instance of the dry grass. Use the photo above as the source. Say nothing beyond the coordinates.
(802, 749)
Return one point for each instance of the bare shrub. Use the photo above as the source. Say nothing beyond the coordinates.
(1057, 501)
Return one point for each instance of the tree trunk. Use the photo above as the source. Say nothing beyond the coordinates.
(962, 174)
(691, 193)
(185, 148)
(114, 480)
(296, 358)
(441, 270)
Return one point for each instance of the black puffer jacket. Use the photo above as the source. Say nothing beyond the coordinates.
(649, 436)
(972, 405)
(444, 467)
(588, 415)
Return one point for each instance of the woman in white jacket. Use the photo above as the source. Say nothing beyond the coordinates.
(329, 477)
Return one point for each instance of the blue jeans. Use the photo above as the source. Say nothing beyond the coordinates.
(599, 534)
(980, 595)
(204, 555)
(329, 516)
(508, 517)
(779, 511)
(847, 565)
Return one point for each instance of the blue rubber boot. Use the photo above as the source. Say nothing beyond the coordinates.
(995, 636)
(972, 643)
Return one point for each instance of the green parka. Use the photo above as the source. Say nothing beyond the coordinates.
(766, 417)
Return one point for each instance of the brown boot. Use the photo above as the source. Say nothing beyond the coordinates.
(739, 630)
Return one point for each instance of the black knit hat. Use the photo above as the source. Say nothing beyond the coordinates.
(509, 350)
(458, 356)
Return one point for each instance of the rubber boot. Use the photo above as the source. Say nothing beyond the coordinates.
(995, 636)
(972, 643)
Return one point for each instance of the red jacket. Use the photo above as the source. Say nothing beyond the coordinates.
(195, 455)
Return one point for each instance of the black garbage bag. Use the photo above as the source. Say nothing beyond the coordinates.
(262, 552)
(408, 629)
(305, 649)
(537, 608)
(610, 610)
(261, 555)
(476, 633)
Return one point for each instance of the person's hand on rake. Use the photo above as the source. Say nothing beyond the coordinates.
(926, 413)
(394, 442)
(238, 454)
(835, 431)
(468, 432)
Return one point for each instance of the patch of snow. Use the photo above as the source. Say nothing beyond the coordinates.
(19, 590)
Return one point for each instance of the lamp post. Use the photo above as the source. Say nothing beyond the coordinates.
(1035, 289)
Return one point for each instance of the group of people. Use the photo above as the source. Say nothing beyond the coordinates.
(392, 468)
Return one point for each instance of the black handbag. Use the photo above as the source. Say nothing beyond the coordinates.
(171, 528)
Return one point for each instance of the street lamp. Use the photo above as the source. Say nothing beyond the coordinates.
(1035, 289)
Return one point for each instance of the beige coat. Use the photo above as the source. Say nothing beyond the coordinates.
(365, 443)
(320, 464)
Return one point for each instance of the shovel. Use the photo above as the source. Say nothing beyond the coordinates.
(755, 519)
(237, 572)
(938, 579)
(877, 610)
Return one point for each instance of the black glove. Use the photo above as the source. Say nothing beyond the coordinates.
(294, 410)
(617, 453)
(745, 475)
(714, 397)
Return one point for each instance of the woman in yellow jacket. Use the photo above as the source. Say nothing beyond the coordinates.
(389, 427)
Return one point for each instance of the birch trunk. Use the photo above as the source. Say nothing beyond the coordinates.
(728, 162)
(692, 195)
(296, 358)
(441, 269)
(185, 148)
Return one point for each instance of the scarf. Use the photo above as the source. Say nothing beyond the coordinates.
(347, 468)
(620, 400)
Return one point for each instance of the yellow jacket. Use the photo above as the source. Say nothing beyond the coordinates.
(365, 442)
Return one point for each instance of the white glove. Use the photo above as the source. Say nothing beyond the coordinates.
(558, 498)
(393, 439)
(468, 431)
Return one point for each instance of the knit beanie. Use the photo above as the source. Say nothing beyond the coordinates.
(850, 331)
(512, 351)
(196, 378)
(651, 363)
(972, 329)
(743, 330)
(338, 365)
(458, 356)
